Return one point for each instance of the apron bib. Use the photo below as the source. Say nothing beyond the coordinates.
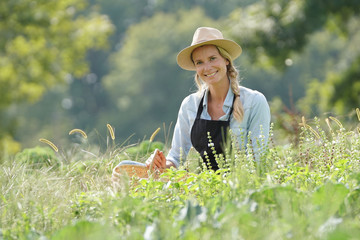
(218, 135)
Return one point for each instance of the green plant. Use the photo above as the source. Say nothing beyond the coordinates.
(304, 191)
(38, 157)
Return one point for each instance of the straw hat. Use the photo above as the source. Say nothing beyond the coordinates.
(206, 36)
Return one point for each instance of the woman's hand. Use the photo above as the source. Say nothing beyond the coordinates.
(156, 161)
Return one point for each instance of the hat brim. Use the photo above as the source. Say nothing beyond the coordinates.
(184, 56)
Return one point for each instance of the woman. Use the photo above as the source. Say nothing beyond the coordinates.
(219, 104)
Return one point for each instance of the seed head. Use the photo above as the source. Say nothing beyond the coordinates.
(53, 146)
(111, 131)
(76, 130)
(154, 134)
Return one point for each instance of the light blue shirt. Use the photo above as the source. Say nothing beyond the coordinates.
(256, 122)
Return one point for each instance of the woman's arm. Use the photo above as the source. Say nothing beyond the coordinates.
(259, 124)
(181, 142)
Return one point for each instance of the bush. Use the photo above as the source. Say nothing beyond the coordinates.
(143, 149)
(38, 157)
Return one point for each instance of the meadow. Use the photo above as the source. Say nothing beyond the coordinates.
(310, 190)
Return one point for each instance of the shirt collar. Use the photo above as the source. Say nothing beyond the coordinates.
(227, 103)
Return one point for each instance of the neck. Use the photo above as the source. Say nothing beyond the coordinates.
(217, 94)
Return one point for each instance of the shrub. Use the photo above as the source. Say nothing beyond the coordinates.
(38, 157)
(143, 149)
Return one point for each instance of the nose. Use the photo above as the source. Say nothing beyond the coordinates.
(206, 66)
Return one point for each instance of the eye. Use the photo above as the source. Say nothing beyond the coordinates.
(212, 58)
(198, 62)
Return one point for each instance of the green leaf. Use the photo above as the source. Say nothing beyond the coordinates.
(85, 230)
(328, 199)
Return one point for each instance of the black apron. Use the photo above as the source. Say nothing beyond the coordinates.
(218, 135)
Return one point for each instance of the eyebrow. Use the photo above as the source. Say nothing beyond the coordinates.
(196, 60)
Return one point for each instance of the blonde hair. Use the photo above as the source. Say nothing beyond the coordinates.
(232, 74)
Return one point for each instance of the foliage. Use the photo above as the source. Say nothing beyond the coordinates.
(309, 191)
(90, 101)
(37, 157)
(43, 43)
(276, 31)
(144, 74)
(338, 93)
(313, 43)
(8, 146)
(54, 120)
(286, 25)
(143, 149)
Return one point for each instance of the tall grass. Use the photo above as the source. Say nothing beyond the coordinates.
(308, 191)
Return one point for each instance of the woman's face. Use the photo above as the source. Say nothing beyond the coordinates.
(210, 65)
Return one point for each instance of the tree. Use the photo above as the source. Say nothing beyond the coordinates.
(87, 102)
(144, 81)
(273, 31)
(44, 43)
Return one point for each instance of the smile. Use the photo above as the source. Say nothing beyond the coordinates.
(210, 75)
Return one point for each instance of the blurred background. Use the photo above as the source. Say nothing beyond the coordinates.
(68, 64)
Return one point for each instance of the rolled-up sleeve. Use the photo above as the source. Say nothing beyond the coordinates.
(259, 123)
(181, 141)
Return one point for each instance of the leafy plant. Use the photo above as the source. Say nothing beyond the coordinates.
(38, 157)
(304, 191)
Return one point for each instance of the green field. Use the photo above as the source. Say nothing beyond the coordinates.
(307, 191)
